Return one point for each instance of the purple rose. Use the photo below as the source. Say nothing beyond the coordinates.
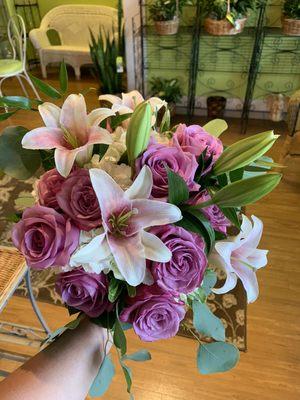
(45, 237)
(48, 186)
(84, 291)
(184, 272)
(194, 139)
(78, 200)
(213, 213)
(154, 313)
(157, 157)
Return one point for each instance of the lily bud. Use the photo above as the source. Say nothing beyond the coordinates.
(244, 152)
(245, 191)
(138, 132)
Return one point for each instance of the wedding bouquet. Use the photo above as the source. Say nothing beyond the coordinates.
(135, 217)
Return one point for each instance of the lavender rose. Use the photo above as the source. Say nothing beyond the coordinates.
(213, 213)
(184, 272)
(84, 291)
(45, 237)
(157, 157)
(194, 139)
(78, 200)
(48, 186)
(154, 313)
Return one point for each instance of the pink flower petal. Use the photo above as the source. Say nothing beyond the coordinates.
(64, 160)
(50, 114)
(43, 138)
(132, 99)
(98, 115)
(130, 258)
(230, 283)
(249, 280)
(154, 248)
(98, 135)
(142, 185)
(154, 213)
(73, 116)
(110, 98)
(108, 192)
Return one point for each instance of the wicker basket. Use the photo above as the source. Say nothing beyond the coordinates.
(291, 27)
(167, 27)
(223, 26)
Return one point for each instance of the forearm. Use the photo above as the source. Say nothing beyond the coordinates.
(64, 370)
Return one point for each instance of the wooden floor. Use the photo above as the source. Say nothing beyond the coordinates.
(271, 367)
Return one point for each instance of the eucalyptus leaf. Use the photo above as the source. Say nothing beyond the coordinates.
(178, 190)
(16, 101)
(206, 323)
(16, 161)
(141, 355)
(209, 281)
(217, 357)
(216, 127)
(128, 376)
(103, 378)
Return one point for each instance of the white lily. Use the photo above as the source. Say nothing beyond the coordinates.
(125, 217)
(240, 258)
(70, 131)
(130, 101)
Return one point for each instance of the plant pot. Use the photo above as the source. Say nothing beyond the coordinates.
(167, 27)
(291, 27)
(216, 106)
(223, 27)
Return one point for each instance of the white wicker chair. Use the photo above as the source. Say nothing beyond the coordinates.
(72, 22)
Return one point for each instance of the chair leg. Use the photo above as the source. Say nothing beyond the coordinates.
(77, 72)
(34, 304)
(26, 76)
(44, 70)
(22, 86)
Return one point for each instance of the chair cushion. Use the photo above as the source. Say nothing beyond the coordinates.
(66, 50)
(10, 67)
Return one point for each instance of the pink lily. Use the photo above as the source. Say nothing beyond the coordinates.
(240, 258)
(129, 101)
(70, 131)
(125, 218)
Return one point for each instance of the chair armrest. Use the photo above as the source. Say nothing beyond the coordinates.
(39, 38)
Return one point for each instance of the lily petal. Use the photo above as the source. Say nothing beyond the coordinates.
(230, 283)
(155, 249)
(43, 138)
(142, 185)
(249, 280)
(154, 213)
(110, 98)
(98, 135)
(73, 116)
(64, 160)
(98, 115)
(108, 192)
(132, 99)
(156, 103)
(50, 114)
(258, 258)
(130, 258)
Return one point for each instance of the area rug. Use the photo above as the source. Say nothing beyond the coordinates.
(230, 307)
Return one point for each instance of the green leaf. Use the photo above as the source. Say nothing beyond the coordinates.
(63, 77)
(114, 289)
(165, 122)
(131, 290)
(119, 337)
(106, 320)
(45, 88)
(141, 355)
(14, 160)
(216, 127)
(246, 191)
(103, 378)
(206, 228)
(128, 376)
(236, 175)
(209, 281)
(118, 119)
(232, 215)
(6, 115)
(206, 323)
(16, 101)
(217, 357)
(178, 190)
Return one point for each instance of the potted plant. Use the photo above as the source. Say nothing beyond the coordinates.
(165, 14)
(227, 17)
(168, 90)
(291, 18)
